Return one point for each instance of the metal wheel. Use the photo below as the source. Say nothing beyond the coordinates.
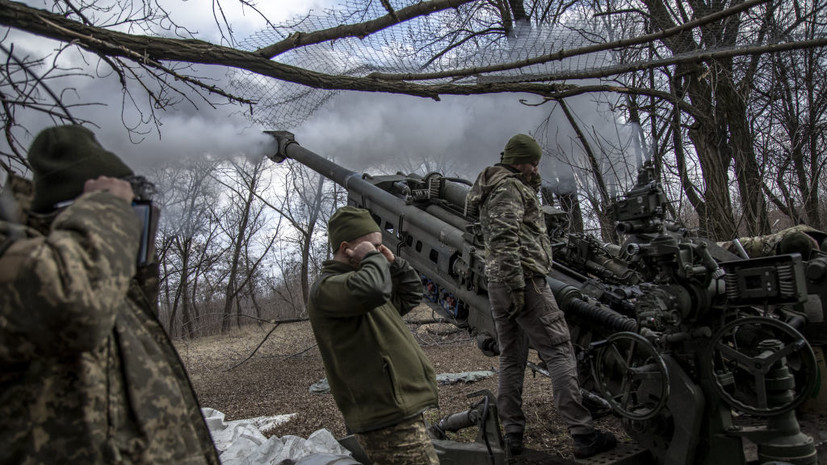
(631, 375)
(762, 366)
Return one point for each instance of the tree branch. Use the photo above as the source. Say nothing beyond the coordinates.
(38, 82)
(563, 54)
(666, 96)
(153, 49)
(361, 30)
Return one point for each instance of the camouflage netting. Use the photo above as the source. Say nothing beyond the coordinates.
(421, 46)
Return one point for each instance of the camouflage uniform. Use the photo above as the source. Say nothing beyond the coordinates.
(765, 246)
(518, 256)
(380, 378)
(400, 444)
(88, 373)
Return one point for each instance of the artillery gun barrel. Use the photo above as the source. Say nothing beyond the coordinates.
(288, 148)
(420, 224)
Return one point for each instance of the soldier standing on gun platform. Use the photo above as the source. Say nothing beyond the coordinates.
(518, 258)
(87, 374)
(379, 376)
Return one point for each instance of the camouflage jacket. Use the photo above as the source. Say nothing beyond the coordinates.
(513, 226)
(377, 372)
(87, 373)
(765, 246)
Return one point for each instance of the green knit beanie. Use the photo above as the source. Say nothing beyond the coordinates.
(348, 223)
(62, 159)
(521, 149)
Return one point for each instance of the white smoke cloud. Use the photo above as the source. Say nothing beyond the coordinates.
(361, 131)
(185, 129)
(183, 137)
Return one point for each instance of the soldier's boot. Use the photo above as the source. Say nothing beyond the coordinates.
(587, 445)
(514, 444)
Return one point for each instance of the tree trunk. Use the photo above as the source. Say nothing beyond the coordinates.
(715, 216)
(313, 219)
(241, 235)
(187, 323)
(734, 111)
(231, 289)
(809, 189)
(174, 311)
(607, 226)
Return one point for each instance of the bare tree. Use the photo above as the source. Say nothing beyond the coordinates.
(186, 234)
(471, 25)
(791, 129)
(303, 206)
(243, 219)
(701, 69)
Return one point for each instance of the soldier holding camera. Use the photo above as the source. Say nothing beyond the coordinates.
(88, 373)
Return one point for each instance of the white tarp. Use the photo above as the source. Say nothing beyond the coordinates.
(464, 377)
(241, 442)
(322, 386)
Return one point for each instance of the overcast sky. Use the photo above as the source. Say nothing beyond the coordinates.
(360, 130)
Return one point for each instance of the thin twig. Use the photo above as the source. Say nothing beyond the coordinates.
(277, 323)
(254, 350)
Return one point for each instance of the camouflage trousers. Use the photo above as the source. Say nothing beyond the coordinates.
(542, 324)
(405, 443)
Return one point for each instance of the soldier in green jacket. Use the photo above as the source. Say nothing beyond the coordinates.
(87, 373)
(378, 375)
(518, 258)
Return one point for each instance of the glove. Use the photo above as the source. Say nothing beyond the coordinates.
(517, 303)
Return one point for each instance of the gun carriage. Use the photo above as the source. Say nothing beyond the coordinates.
(677, 336)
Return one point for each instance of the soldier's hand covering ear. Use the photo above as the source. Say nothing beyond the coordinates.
(387, 253)
(357, 253)
(517, 303)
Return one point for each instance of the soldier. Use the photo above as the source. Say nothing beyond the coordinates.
(379, 376)
(87, 373)
(801, 239)
(518, 258)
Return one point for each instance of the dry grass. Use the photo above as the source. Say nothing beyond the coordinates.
(277, 380)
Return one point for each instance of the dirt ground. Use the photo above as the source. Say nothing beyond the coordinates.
(277, 378)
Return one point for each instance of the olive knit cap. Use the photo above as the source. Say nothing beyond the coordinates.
(349, 223)
(521, 149)
(63, 158)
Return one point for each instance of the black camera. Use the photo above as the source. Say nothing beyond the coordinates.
(148, 214)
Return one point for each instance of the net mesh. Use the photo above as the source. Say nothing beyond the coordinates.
(474, 37)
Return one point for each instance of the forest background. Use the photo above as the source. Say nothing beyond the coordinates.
(726, 98)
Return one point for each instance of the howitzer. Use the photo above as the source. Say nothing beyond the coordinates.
(672, 333)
